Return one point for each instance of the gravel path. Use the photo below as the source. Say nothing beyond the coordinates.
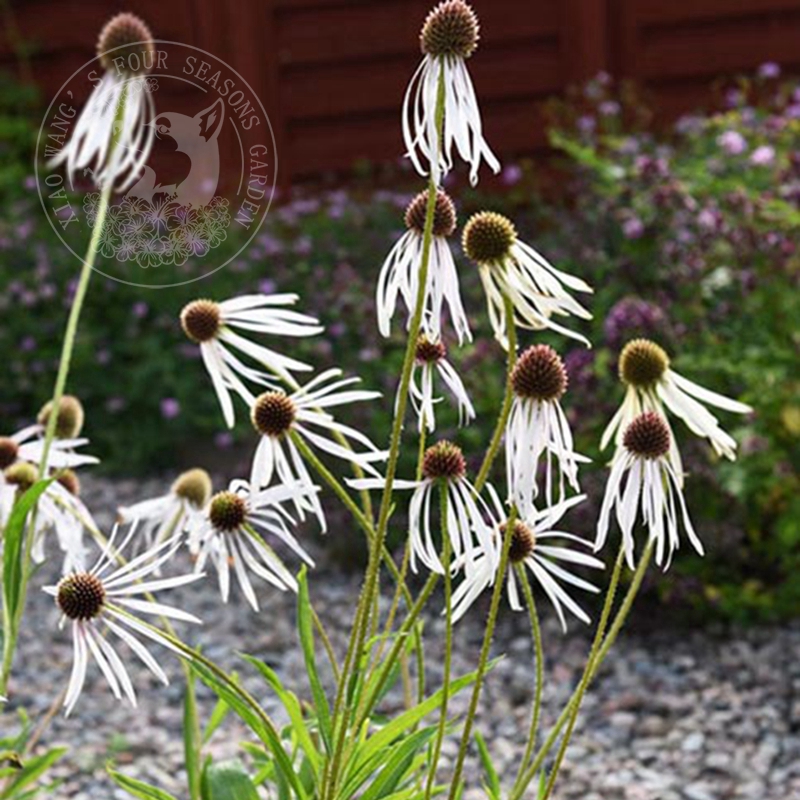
(673, 716)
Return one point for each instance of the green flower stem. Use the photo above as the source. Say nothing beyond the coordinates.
(616, 626)
(11, 631)
(329, 478)
(421, 450)
(397, 647)
(584, 682)
(360, 629)
(483, 660)
(536, 633)
(497, 436)
(448, 645)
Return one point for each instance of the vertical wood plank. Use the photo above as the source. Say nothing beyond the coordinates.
(585, 38)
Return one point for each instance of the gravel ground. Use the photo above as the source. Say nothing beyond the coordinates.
(673, 716)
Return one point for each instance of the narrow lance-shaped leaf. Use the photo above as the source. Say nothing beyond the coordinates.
(12, 547)
(138, 788)
(305, 629)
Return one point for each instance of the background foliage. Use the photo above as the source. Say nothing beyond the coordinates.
(689, 236)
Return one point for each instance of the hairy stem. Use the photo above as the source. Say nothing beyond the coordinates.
(483, 660)
(448, 645)
(536, 633)
(616, 626)
(361, 627)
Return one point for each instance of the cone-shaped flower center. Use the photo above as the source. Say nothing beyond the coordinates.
(523, 541)
(273, 414)
(539, 374)
(8, 452)
(429, 352)
(201, 320)
(444, 214)
(451, 29)
(81, 596)
(193, 485)
(227, 511)
(126, 43)
(69, 480)
(647, 436)
(22, 475)
(642, 363)
(69, 421)
(488, 237)
(443, 460)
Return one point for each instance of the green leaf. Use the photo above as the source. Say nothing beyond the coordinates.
(306, 631)
(542, 786)
(12, 548)
(192, 742)
(295, 712)
(259, 726)
(492, 778)
(32, 770)
(216, 719)
(397, 766)
(392, 730)
(137, 788)
(227, 780)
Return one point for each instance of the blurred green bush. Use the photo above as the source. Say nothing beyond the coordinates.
(690, 236)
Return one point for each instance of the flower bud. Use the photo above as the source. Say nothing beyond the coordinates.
(69, 421)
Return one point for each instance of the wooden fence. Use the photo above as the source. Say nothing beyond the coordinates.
(332, 73)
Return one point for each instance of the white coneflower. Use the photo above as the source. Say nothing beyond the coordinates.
(103, 601)
(431, 357)
(58, 509)
(399, 274)
(449, 37)
(213, 326)
(537, 426)
(643, 475)
(275, 415)
(443, 464)
(532, 545)
(27, 445)
(510, 268)
(113, 142)
(160, 517)
(229, 532)
(651, 386)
